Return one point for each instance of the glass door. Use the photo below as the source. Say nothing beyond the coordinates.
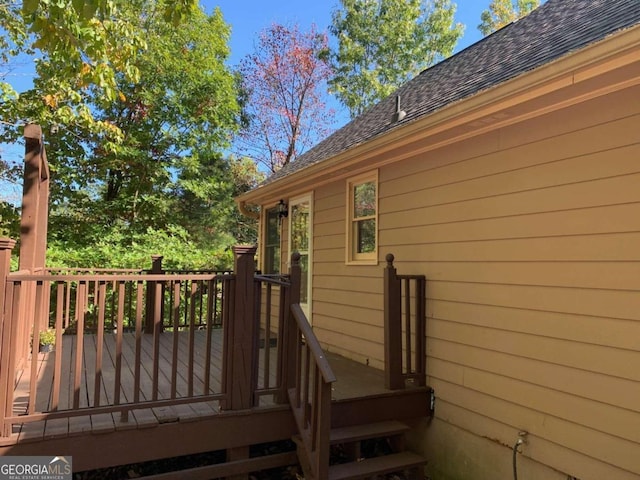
(300, 238)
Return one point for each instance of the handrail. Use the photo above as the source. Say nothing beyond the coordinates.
(312, 344)
(310, 397)
(67, 270)
(280, 280)
(25, 271)
(156, 277)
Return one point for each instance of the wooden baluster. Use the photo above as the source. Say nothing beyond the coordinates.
(119, 341)
(192, 332)
(407, 326)
(211, 293)
(290, 335)
(101, 300)
(57, 368)
(267, 336)
(157, 331)
(176, 331)
(79, 354)
(138, 353)
(421, 337)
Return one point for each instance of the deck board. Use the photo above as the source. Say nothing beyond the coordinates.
(354, 380)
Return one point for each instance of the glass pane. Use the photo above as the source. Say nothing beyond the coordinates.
(273, 227)
(300, 227)
(272, 260)
(364, 200)
(365, 236)
(304, 278)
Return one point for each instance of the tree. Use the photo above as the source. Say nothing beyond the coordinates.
(503, 12)
(284, 108)
(168, 176)
(89, 41)
(384, 43)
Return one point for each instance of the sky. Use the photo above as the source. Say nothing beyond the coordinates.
(248, 17)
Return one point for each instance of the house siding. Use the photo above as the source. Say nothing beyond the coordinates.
(530, 240)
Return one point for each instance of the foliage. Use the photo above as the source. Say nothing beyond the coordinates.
(9, 220)
(118, 248)
(384, 43)
(84, 44)
(164, 185)
(503, 12)
(282, 82)
(167, 178)
(47, 337)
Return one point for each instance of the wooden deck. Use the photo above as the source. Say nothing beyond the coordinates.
(354, 380)
(202, 377)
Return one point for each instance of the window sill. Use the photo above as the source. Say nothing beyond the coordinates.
(371, 261)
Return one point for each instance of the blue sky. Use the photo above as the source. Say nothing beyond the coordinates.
(248, 17)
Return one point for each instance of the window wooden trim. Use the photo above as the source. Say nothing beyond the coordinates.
(265, 236)
(352, 257)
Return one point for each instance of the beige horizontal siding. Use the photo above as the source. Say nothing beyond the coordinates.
(578, 122)
(547, 425)
(613, 362)
(595, 248)
(620, 190)
(529, 237)
(623, 334)
(552, 453)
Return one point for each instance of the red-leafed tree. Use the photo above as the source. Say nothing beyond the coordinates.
(284, 81)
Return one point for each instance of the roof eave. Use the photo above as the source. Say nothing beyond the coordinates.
(479, 112)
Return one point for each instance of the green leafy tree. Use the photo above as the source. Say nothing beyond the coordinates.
(503, 12)
(384, 43)
(167, 176)
(89, 41)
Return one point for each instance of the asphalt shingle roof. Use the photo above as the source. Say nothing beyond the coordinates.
(553, 30)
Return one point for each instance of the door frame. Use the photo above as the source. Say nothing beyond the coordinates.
(307, 197)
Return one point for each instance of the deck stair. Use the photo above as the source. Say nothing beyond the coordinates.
(371, 450)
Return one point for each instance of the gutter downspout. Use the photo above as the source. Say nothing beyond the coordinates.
(242, 206)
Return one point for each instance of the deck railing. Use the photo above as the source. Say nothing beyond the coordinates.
(309, 379)
(310, 398)
(212, 337)
(233, 338)
(404, 328)
(96, 310)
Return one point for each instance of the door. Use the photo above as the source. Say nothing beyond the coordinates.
(300, 240)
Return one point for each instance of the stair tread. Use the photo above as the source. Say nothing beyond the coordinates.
(367, 431)
(377, 465)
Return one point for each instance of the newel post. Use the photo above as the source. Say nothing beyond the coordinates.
(153, 313)
(290, 338)
(243, 371)
(392, 327)
(35, 201)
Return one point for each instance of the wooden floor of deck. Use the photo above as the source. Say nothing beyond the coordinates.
(354, 380)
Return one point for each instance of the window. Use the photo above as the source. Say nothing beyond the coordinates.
(362, 219)
(271, 263)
